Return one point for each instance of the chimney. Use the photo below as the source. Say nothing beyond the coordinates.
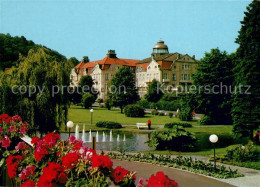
(111, 53)
(193, 56)
(85, 59)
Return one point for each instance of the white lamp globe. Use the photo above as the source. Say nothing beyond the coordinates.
(91, 110)
(70, 124)
(213, 138)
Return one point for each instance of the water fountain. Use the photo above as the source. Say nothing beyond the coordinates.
(97, 137)
(104, 137)
(83, 134)
(124, 138)
(118, 138)
(77, 132)
(111, 137)
(90, 136)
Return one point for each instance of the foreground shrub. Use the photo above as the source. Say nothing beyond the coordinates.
(161, 114)
(185, 114)
(170, 115)
(155, 112)
(88, 100)
(134, 110)
(172, 125)
(109, 124)
(176, 139)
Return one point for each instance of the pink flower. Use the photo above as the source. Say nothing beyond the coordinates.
(72, 139)
(28, 171)
(21, 146)
(6, 142)
(11, 129)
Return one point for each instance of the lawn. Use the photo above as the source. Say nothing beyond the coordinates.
(77, 114)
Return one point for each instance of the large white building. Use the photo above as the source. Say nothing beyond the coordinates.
(170, 69)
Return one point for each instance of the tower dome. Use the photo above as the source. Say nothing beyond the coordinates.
(160, 48)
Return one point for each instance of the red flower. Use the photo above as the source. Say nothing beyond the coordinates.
(52, 175)
(77, 146)
(161, 180)
(51, 139)
(40, 152)
(70, 160)
(28, 171)
(24, 128)
(6, 142)
(21, 146)
(28, 183)
(12, 164)
(1, 129)
(11, 129)
(101, 161)
(35, 140)
(119, 174)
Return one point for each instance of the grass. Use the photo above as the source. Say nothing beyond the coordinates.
(77, 114)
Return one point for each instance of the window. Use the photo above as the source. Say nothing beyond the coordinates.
(107, 76)
(185, 67)
(165, 75)
(174, 67)
(174, 77)
(185, 76)
(181, 76)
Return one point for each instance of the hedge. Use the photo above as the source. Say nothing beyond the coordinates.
(109, 124)
(171, 125)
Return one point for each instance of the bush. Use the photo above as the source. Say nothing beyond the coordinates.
(167, 105)
(88, 100)
(176, 139)
(185, 114)
(109, 124)
(170, 115)
(144, 103)
(171, 125)
(108, 104)
(99, 101)
(155, 112)
(161, 114)
(242, 153)
(206, 120)
(134, 110)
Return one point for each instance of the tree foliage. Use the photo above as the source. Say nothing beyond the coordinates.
(246, 107)
(213, 79)
(11, 47)
(45, 106)
(88, 100)
(123, 90)
(153, 94)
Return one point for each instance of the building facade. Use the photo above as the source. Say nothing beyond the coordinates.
(172, 70)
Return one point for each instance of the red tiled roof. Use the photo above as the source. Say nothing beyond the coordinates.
(106, 62)
(165, 64)
(144, 66)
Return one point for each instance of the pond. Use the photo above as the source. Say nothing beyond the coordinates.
(133, 141)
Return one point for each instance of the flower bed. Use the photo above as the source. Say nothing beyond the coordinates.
(56, 162)
(180, 162)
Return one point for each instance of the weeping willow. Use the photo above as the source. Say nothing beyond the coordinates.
(46, 73)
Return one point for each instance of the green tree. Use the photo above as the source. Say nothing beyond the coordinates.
(86, 82)
(123, 90)
(44, 108)
(154, 93)
(73, 61)
(213, 79)
(246, 103)
(88, 100)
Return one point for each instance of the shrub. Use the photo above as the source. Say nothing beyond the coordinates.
(185, 114)
(171, 125)
(170, 115)
(108, 104)
(144, 103)
(206, 120)
(134, 110)
(167, 105)
(176, 139)
(99, 101)
(242, 153)
(161, 114)
(155, 112)
(88, 100)
(109, 124)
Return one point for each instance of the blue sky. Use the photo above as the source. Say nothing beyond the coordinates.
(89, 28)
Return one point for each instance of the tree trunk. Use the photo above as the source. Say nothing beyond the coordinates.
(121, 110)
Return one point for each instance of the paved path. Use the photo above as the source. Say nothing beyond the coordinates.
(183, 178)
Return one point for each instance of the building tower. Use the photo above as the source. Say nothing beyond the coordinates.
(160, 49)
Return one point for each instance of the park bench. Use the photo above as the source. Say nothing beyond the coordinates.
(141, 125)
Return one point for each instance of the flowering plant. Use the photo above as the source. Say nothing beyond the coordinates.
(11, 129)
(158, 180)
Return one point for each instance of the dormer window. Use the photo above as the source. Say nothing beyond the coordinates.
(155, 66)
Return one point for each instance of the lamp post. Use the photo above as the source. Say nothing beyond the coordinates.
(70, 124)
(91, 111)
(213, 139)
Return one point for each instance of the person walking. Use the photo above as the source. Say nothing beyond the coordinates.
(257, 136)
